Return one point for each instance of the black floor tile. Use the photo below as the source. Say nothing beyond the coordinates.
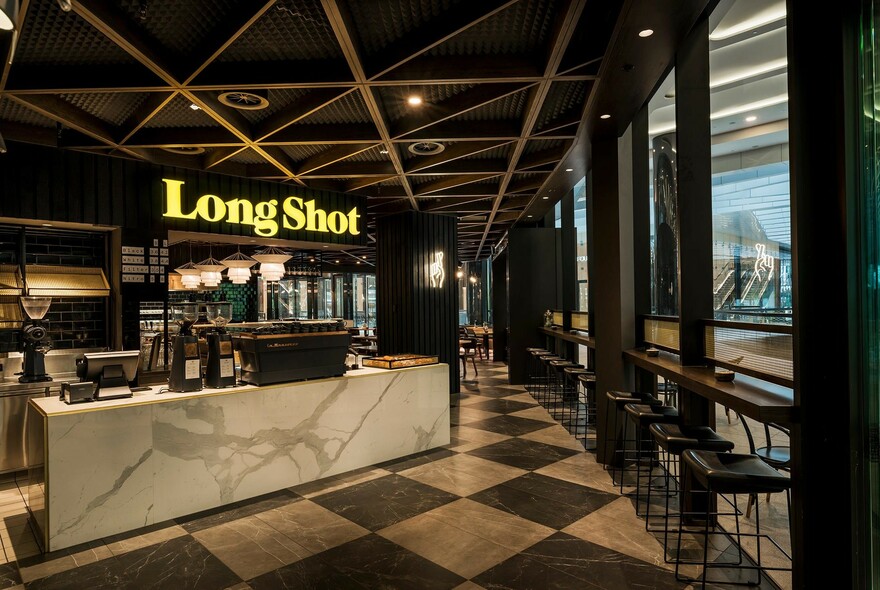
(501, 406)
(396, 465)
(375, 562)
(9, 576)
(509, 425)
(599, 566)
(177, 564)
(561, 491)
(524, 454)
(311, 573)
(381, 502)
(53, 555)
(522, 573)
(532, 497)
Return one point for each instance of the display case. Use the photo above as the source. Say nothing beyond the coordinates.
(399, 361)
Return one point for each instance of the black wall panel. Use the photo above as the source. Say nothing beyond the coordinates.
(58, 185)
(412, 316)
(531, 273)
(500, 315)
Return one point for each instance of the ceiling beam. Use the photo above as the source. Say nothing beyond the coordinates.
(474, 98)
(549, 156)
(313, 101)
(221, 154)
(521, 185)
(52, 79)
(353, 170)
(304, 134)
(564, 27)
(230, 29)
(449, 182)
(457, 204)
(29, 133)
(360, 183)
(331, 156)
(342, 25)
(184, 136)
(454, 152)
(154, 103)
(441, 70)
(65, 113)
(460, 166)
(113, 24)
(433, 33)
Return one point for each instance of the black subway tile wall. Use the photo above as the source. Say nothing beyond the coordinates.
(73, 322)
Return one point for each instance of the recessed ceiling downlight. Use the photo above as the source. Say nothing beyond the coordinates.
(426, 148)
(251, 100)
(184, 150)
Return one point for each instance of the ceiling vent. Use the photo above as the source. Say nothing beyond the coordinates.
(426, 148)
(253, 100)
(185, 150)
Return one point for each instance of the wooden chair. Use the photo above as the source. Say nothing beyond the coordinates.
(467, 350)
(471, 335)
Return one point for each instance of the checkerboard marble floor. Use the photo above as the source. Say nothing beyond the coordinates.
(513, 501)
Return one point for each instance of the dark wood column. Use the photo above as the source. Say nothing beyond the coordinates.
(612, 279)
(822, 149)
(412, 315)
(500, 315)
(531, 274)
(694, 176)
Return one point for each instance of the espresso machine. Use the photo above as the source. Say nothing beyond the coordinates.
(186, 363)
(220, 371)
(35, 340)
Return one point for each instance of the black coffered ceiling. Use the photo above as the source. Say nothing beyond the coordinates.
(505, 85)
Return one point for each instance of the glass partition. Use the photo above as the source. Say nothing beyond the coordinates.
(580, 226)
(751, 197)
(664, 199)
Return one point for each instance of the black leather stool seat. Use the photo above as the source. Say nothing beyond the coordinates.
(587, 377)
(623, 397)
(646, 414)
(564, 363)
(734, 473)
(536, 350)
(677, 439)
(575, 371)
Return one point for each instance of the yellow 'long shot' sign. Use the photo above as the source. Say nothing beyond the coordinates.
(266, 217)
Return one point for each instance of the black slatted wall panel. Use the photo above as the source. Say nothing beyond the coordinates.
(57, 185)
(531, 274)
(500, 316)
(413, 316)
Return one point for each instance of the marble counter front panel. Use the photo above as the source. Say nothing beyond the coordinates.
(120, 466)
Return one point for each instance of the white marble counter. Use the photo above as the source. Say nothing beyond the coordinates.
(117, 465)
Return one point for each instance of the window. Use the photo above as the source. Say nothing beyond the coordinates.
(664, 199)
(580, 225)
(751, 200)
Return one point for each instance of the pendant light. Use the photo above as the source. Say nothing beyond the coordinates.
(8, 14)
(272, 261)
(210, 269)
(239, 266)
(190, 275)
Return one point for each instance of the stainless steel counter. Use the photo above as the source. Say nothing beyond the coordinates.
(11, 386)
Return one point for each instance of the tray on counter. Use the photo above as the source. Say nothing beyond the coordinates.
(399, 361)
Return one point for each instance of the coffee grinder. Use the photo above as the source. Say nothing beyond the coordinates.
(221, 360)
(35, 340)
(186, 363)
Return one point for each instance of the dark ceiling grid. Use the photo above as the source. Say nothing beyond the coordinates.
(566, 21)
(503, 84)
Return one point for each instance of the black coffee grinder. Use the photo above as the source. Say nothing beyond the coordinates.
(186, 363)
(35, 340)
(221, 360)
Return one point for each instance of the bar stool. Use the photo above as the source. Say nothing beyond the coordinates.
(587, 382)
(531, 367)
(616, 402)
(642, 416)
(733, 473)
(674, 440)
(557, 382)
(544, 384)
(571, 397)
(540, 372)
